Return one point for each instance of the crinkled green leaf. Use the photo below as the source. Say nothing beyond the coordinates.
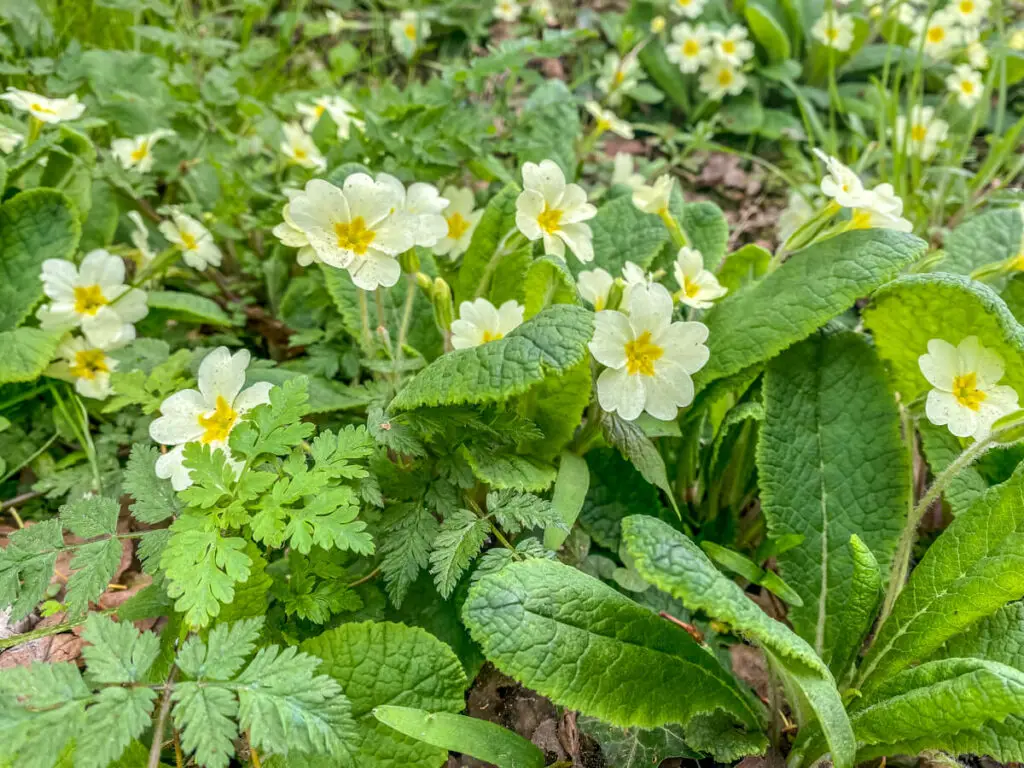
(622, 232)
(188, 306)
(990, 237)
(858, 614)
(25, 353)
(636, 747)
(831, 464)
(481, 259)
(587, 647)
(504, 469)
(550, 343)
(548, 281)
(638, 449)
(999, 637)
(719, 737)
(810, 288)
(556, 406)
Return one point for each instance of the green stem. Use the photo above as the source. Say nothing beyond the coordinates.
(674, 230)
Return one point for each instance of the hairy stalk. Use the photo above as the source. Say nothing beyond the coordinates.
(364, 314)
(161, 722)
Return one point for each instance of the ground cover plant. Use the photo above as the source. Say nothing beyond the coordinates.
(521, 384)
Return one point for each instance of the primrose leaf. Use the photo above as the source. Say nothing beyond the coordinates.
(636, 747)
(25, 353)
(992, 236)
(483, 255)
(622, 232)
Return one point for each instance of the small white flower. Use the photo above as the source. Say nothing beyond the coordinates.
(335, 23)
(690, 48)
(140, 239)
(880, 209)
(43, 109)
(137, 153)
(461, 220)
(617, 77)
(548, 209)
(507, 10)
(732, 46)
(408, 32)
(698, 287)
(966, 85)
(721, 79)
(293, 237)
(966, 394)
(842, 184)
(594, 285)
(606, 120)
(299, 147)
(360, 227)
(977, 56)
(422, 206)
(480, 322)
(206, 415)
(623, 171)
(923, 134)
(195, 242)
(9, 139)
(656, 197)
(542, 10)
(338, 109)
(938, 35)
(92, 297)
(634, 276)
(691, 9)
(1016, 41)
(797, 213)
(649, 358)
(87, 365)
(834, 30)
(969, 13)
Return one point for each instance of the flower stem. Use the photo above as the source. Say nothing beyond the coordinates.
(674, 230)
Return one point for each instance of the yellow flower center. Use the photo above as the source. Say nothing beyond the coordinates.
(832, 33)
(620, 77)
(140, 152)
(1017, 262)
(189, 241)
(35, 106)
(600, 303)
(641, 354)
(89, 299)
(319, 109)
(936, 35)
(918, 132)
(691, 48)
(690, 288)
(966, 392)
(550, 219)
(88, 363)
(219, 423)
(725, 77)
(299, 152)
(729, 47)
(967, 87)
(861, 219)
(457, 226)
(492, 336)
(354, 235)
(410, 31)
(684, 3)
(966, 6)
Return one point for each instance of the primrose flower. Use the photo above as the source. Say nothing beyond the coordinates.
(732, 46)
(137, 153)
(335, 23)
(480, 322)
(408, 32)
(422, 206)
(617, 77)
(834, 30)
(140, 239)
(842, 183)
(691, 9)
(207, 415)
(654, 198)
(9, 139)
(922, 134)
(969, 13)
(937, 35)
(966, 85)
(721, 79)
(338, 109)
(880, 209)
(649, 359)
(633, 276)
(623, 171)
(698, 287)
(93, 297)
(595, 285)
(87, 365)
(43, 109)
(299, 147)
(542, 11)
(548, 209)
(966, 395)
(690, 48)
(977, 55)
(1016, 41)
(193, 240)
(507, 10)
(359, 227)
(461, 218)
(293, 237)
(606, 120)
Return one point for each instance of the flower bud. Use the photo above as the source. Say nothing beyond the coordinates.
(657, 25)
(410, 261)
(444, 306)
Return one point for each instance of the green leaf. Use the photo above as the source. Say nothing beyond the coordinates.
(548, 282)
(385, 663)
(155, 499)
(93, 566)
(115, 718)
(670, 561)
(36, 225)
(768, 31)
(968, 573)
(587, 647)
(622, 232)
(858, 614)
(717, 735)
(516, 512)
(571, 486)
(25, 353)
(548, 126)
(481, 258)
(941, 448)
(743, 266)
(190, 307)
(405, 542)
(459, 541)
(509, 470)
(275, 427)
(831, 464)
(638, 449)
(705, 227)
(999, 637)
(26, 566)
(616, 491)
(991, 237)
(636, 747)
(42, 708)
(556, 406)
(809, 289)
(549, 343)
(466, 735)
(116, 652)
(223, 653)
(206, 716)
(911, 311)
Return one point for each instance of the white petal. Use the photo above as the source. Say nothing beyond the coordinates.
(250, 397)
(579, 239)
(546, 178)
(941, 365)
(650, 309)
(171, 465)
(222, 374)
(374, 270)
(974, 358)
(619, 392)
(612, 332)
(102, 268)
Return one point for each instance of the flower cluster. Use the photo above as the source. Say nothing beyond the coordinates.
(877, 208)
(721, 53)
